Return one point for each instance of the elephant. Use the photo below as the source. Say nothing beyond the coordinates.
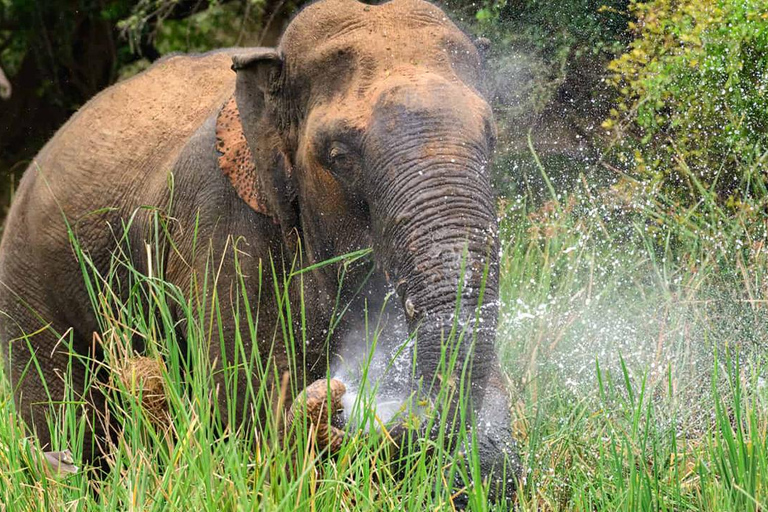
(365, 127)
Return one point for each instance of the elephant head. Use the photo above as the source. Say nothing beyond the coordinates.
(370, 120)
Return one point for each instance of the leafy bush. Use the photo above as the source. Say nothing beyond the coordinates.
(559, 38)
(546, 67)
(693, 98)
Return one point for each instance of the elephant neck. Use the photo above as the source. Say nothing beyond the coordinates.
(235, 159)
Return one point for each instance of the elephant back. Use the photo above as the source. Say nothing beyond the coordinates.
(129, 135)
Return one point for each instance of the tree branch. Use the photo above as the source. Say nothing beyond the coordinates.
(268, 24)
(5, 86)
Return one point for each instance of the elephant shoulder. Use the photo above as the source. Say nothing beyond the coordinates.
(208, 212)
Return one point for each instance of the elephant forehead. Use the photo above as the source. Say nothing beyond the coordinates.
(328, 18)
(347, 34)
(429, 103)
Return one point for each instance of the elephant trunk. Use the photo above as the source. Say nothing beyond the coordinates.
(439, 240)
(436, 235)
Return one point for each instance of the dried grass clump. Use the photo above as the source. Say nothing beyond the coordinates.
(142, 377)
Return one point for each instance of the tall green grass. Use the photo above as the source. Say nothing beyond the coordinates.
(183, 455)
(632, 334)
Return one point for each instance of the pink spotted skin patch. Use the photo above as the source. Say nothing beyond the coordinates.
(235, 160)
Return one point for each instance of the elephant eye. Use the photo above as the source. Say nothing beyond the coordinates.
(337, 152)
(339, 158)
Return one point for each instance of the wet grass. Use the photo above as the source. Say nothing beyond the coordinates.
(635, 335)
(632, 334)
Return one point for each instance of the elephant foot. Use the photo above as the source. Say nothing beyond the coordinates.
(313, 404)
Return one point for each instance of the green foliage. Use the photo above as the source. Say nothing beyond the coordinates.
(211, 24)
(546, 64)
(44, 31)
(558, 27)
(556, 37)
(693, 98)
(175, 451)
(638, 337)
(637, 386)
(218, 26)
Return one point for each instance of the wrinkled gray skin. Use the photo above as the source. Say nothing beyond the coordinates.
(368, 128)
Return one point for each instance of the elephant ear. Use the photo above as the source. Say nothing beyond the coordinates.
(258, 93)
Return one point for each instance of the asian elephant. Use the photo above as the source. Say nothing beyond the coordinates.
(365, 127)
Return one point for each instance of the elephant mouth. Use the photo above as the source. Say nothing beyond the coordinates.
(376, 365)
